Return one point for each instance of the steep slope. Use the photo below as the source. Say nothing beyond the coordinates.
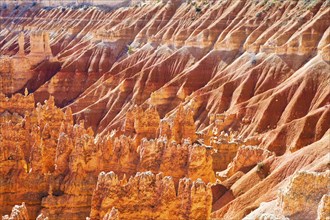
(228, 97)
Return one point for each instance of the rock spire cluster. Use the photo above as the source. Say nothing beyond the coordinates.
(151, 109)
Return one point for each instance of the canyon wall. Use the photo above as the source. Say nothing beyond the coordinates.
(43, 146)
(150, 196)
(205, 109)
(55, 3)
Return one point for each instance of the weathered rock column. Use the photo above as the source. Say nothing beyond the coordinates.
(21, 52)
(48, 50)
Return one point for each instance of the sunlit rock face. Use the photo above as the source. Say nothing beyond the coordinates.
(303, 204)
(43, 146)
(150, 196)
(305, 197)
(19, 212)
(153, 109)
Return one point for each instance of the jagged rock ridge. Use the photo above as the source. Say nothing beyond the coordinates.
(230, 90)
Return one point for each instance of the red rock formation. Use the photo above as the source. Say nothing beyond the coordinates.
(304, 198)
(186, 88)
(247, 156)
(151, 196)
(262, 184)
(112, 215)
(67, 158)
(18, 212)
(194, 161)
(293, 202)
(323, 208)
(28, 147)
(17, 103)
(142, 123)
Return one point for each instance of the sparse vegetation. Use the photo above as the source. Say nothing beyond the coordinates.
(260, 167)
(310, 4)
(264, 2)
(130, 49)
(198, 9)
(309, 1)
(269, 5)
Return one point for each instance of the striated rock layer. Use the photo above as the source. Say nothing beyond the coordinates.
(193, 109)
(295, 203)
(19, 212)
(43, 147)
(150, 196)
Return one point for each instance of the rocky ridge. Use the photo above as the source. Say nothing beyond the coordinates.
(152, 196)
(233, 90)
(65, 159)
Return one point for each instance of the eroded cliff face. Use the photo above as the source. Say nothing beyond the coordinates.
(43, 146)
(204, 109)
(18, 212)
(150, 196)
(294, 203)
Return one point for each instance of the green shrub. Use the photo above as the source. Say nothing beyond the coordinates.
(198, 9)
(130, 49)
(260, 167)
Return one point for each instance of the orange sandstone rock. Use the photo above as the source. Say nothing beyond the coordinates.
(186, 88)
(18, 212)
(147, 195)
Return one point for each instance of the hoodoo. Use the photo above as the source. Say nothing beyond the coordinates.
(172, 109)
